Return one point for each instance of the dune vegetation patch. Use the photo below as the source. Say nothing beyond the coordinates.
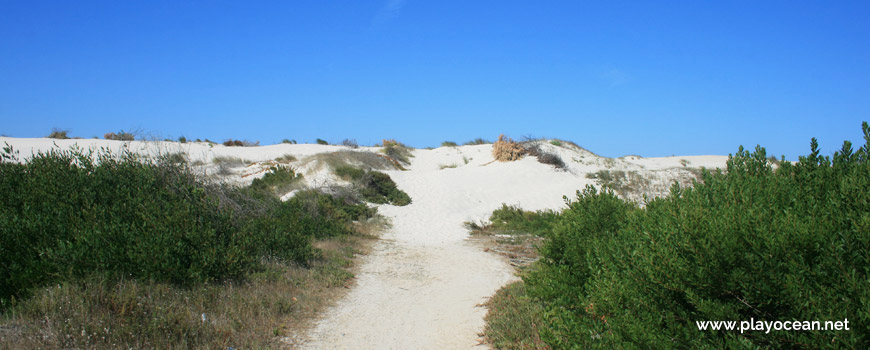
(506, 149)
(117, 251)
(277, 180)
(752, 242)
(374, 186)
(397, 151)
(333, 160)
(287, 158)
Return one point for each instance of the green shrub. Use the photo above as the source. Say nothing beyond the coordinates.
(748, 243)
(68, 215)
(182, 139)
(556, 143)
(288, 141)
(374, 186)
(277, 180)
(321, 142)
(448, 144)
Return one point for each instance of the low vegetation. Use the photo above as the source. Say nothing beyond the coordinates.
(107, 250)
(366, 160)
(287, 158)
(514, 320)
(506, 149)
(277, 180)
(478, 141)
(448, 144)
(350, 143)
(752, 242)
(510, 219)
(397, 151)
(622, 182)
(374, 186)
(120, 136)
(240, 143)
(58, 134)
(514, 233)
(321, 142)
(543, 156)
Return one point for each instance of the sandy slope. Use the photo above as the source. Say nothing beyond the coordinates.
(422, 285)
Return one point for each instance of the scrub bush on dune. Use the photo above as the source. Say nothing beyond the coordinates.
(750, 243)
(374, 186)
(67, 215)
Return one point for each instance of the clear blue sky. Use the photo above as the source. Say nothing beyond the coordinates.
(649, 78)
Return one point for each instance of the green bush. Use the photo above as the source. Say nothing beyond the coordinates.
(277, 180)
(321, 142)
(749, 243)
(67, 215)
(448, 144)
(374, 186)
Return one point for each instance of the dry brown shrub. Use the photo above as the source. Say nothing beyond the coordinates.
(390, 143)
(506, 149)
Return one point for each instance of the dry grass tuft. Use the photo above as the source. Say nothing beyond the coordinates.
(365, 160)
(506, 149)
(397, 152)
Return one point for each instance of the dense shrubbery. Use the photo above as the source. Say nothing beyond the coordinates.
(374, 186)
(68, 215)
(750, 243)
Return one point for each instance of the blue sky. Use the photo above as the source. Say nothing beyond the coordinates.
(648, 78)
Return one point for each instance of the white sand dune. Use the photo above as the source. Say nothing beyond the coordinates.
(423, 283)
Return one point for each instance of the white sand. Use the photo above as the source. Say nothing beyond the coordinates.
(423, 283)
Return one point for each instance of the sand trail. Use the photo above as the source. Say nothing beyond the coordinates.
(424, 282)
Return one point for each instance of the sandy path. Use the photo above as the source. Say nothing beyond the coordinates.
(423, 283)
